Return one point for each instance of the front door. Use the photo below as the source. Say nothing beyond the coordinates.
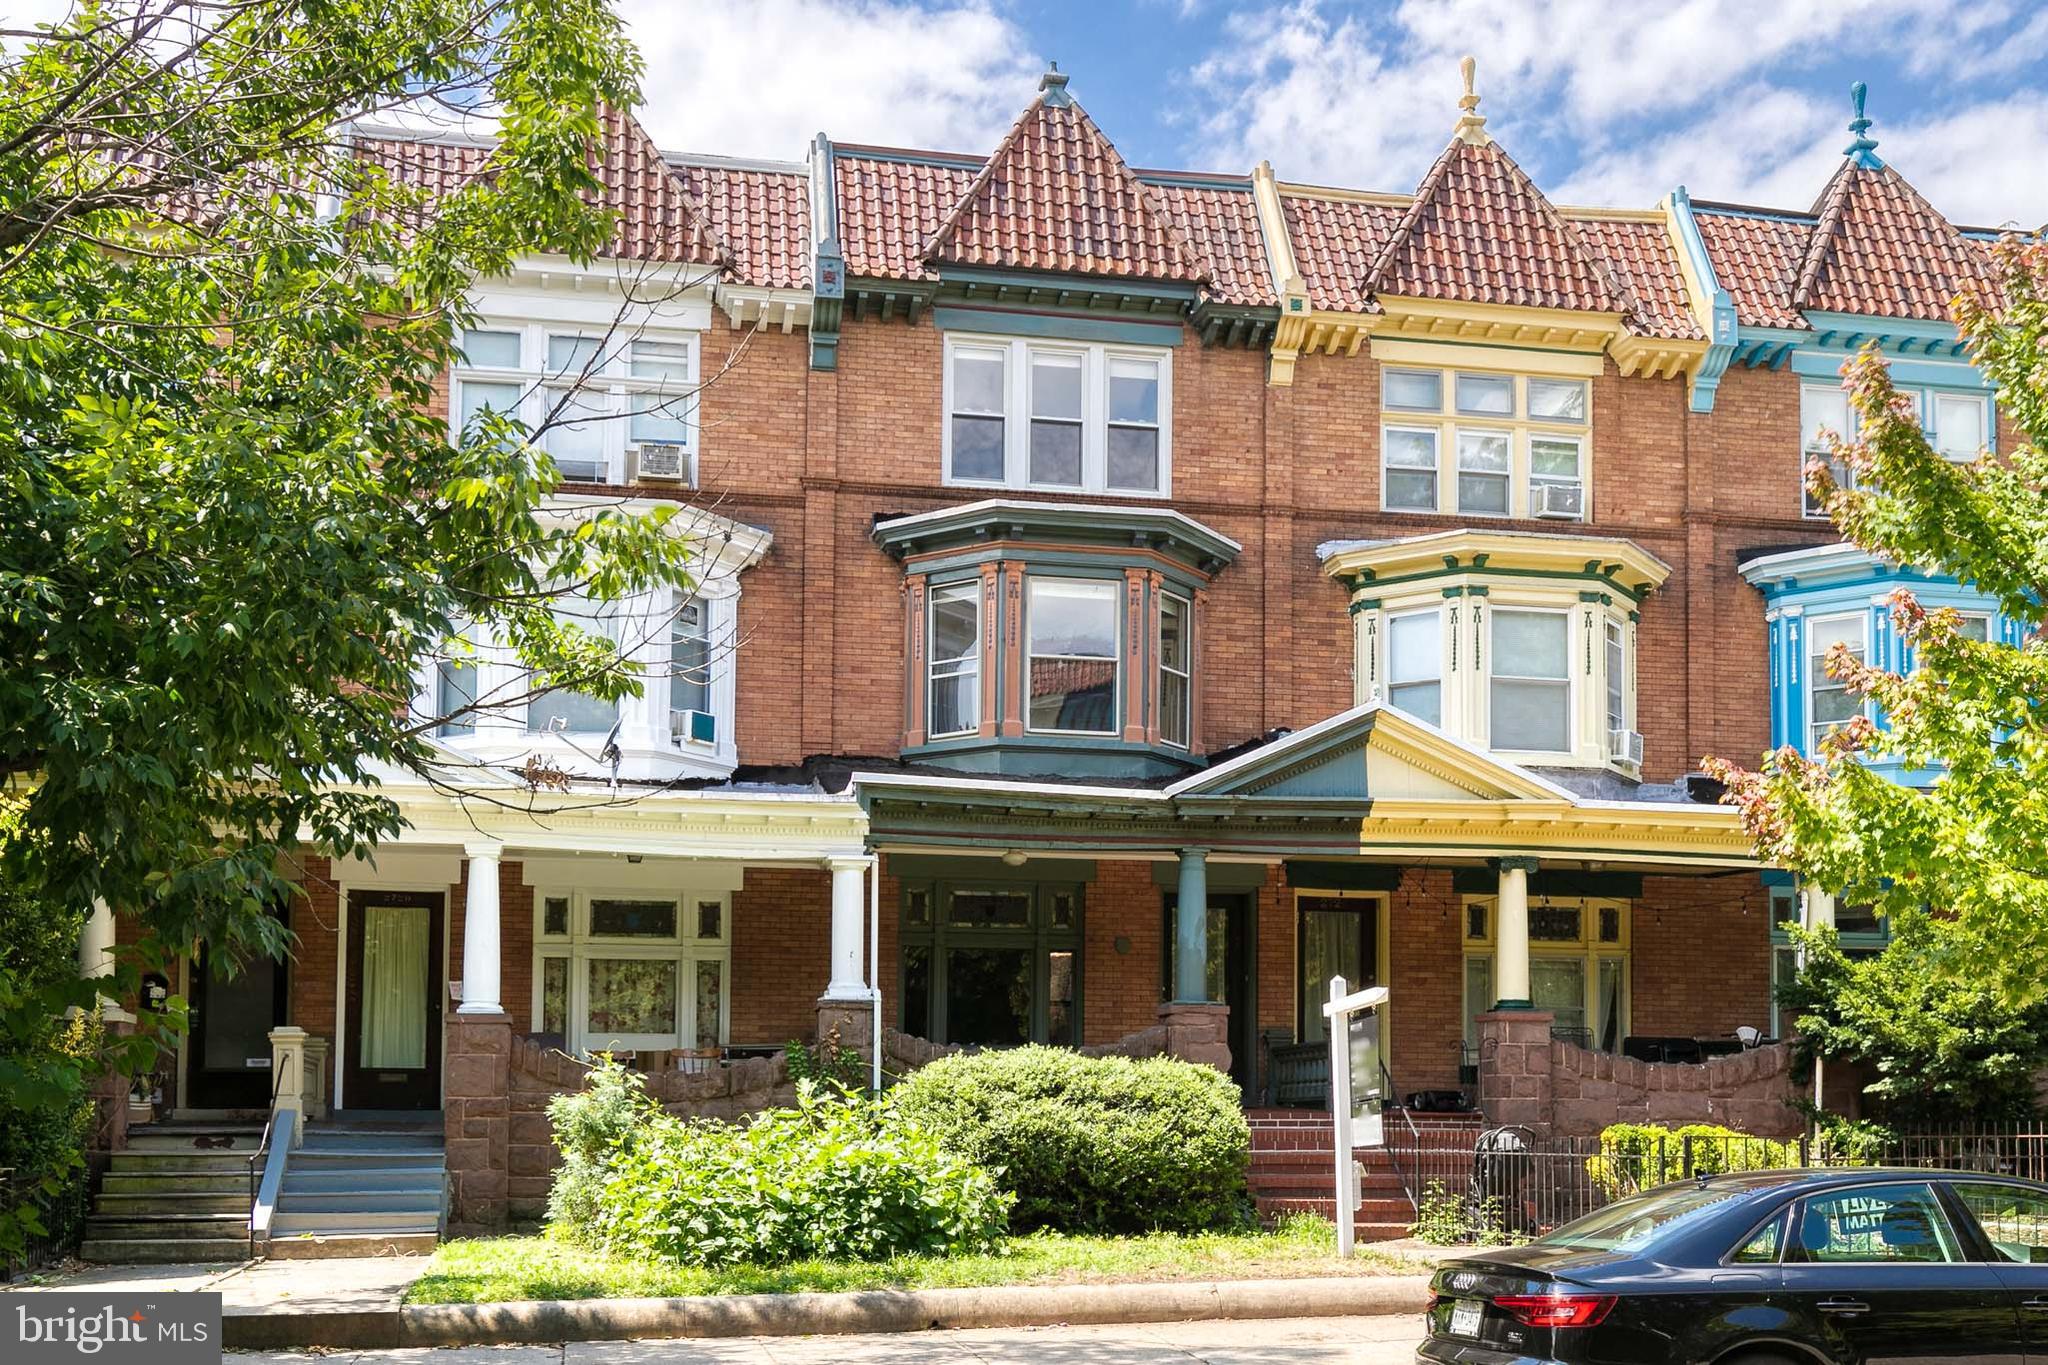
(233, 1008)
(392, 1007)
(1230, 976)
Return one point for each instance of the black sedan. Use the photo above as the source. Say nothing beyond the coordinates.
(1766, 1268)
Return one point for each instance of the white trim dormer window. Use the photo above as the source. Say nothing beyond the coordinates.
(1506, 445)
(1055, 416)
(618, 408)
(1957, 423)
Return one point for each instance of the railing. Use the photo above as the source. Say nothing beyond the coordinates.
(62, 1224)
(1414, 1136)
(258, 1210)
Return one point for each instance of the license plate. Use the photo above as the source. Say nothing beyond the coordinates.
(1465, 1316)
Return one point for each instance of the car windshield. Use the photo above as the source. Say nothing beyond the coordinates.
(1631, 1223)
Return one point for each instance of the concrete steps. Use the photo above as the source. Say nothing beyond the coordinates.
(179, 1192)
(361, 1189)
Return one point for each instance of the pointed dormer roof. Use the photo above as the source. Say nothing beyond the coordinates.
(1479, 231)
(658, 218)
(1057, 196)
(1878, 247)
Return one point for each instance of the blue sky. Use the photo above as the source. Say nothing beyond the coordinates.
(1741, 99)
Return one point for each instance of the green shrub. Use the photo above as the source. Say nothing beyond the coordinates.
(1093, 1144)
(592, 1128)
(1636, 1156)
(839, 1178)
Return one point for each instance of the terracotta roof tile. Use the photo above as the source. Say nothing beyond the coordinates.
(1479, 231)
(658, 220)
(763, 216)
(1335, 242)
(1641, 257)
(1878, 248)
(1756, 259)
(1057, 196)
(1222, 225)
(889, 208)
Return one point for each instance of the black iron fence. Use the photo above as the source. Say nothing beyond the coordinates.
(61, 1217)
(1508, 1183)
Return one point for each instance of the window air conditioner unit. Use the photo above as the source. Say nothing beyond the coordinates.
(1626, 746)
(664, 460)
(1558, 501)
(698, 727)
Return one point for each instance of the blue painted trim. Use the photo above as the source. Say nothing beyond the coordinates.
(1827, 365)
(1862, 148)
(1058, 327)
(1722, 328)
(1196, 180)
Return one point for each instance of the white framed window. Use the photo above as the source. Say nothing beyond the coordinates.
(1823, 409)
(1071, 655)
(1066, 417)
(1529, 691)
(617, 408)
(1616, 659)
(1176, 648)
(1578, 966)
(1960, 425)
(1829, 703)
(562, 709)
(1525, 455)
(637, 971)
(1415, 664)
(954, 649)
(691, 719)
(1975, 625)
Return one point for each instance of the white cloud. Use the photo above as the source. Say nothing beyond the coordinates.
(760, 78)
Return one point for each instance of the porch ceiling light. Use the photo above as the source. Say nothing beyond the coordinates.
(1015, 858)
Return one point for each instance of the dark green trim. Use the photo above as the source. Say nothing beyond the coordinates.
(1231, 877)
(1481, 881)
(1228, 325)
(1308, 875)
(968, 280)
(939, 867)
(1057, 326)
(1176, 537)
(1514, 1005)
(1073, 757)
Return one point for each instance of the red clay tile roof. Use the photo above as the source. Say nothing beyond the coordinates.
(890, 207)
(1641, 257)
(764, 217)
(1335, 242)
(1756, 259)
(1877, 247)
(1479, 231)
(1222, 225)
(658, 219)
(1057, 196)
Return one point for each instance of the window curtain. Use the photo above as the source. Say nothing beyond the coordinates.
(395, 960)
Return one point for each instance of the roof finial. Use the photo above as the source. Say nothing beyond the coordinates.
(1054, 84)
(1863, 149)
(1471, 128)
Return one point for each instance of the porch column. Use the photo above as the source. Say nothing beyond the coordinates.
(96, 956)
(1191, 929)
(480, 937)
(848, 981)
(1511, 960)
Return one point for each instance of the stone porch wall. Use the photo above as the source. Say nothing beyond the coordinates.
(1556, 1088)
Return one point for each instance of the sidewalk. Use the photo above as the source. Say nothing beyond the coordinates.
(343, 1285)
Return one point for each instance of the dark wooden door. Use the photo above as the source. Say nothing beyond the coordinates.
(391, 1024)
(233, 1008)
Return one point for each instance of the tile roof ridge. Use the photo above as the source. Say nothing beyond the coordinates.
(1830, 226)
(1827, 213)
(697, 215)
(1149, 201)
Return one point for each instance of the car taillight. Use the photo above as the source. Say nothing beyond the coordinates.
(1556, 1310)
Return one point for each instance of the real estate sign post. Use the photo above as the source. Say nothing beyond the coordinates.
(1357, 1090)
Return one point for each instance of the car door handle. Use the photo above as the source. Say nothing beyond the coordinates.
(1845, 1307)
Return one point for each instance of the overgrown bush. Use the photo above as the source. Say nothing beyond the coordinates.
(592, 1128)
(839, 1177)
(1636, 1156)
(1093, 1144)
(1445, 1219)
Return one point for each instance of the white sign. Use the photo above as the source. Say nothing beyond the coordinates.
(1357, 1090)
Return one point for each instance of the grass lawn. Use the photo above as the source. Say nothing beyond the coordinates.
(503, 1269)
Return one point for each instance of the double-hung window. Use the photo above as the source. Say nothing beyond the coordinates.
(1175, 664)
(1073, 417)
(1823, 410)
(1415, 668)
(1616, 659)
(607, 408)
(1071, 655)
(689, 673)
(1530, 706)
(955, 645)
(1830, 703)
(564, 708)
(1484, 444)
(455, 690)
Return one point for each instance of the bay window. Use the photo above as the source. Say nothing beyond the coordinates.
(563, 708)
(689, 673)
(1071, 655)
(1830, 704)
(955, 645)
(631, 971)
(1616, 652)
(1530, 699)
(610, 408)
(1175, 667)
(1517, 444)
(1074, 417)
(1415, 666)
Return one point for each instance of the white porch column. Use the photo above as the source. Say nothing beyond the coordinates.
(288, 1076)
(1816, 908)
(96, 955)
(1511, 960)
(480, 937)
(849, 910)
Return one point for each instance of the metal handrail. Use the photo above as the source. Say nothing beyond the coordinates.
(1393, 1154)
(262, 1145)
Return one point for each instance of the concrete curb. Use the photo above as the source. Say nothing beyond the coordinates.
(740, 1315)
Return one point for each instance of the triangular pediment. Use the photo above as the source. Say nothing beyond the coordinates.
(1368, 753)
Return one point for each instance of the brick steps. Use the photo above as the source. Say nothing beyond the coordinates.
(1293, 1167)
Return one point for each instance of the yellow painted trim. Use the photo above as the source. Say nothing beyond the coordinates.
(1657, 357)
(1398, 737)
(1698, 301)
(1559, 329)
(1395, 350)
(1520, 550)
(1710, 835)
(1584, 212)
(1392, 199)
(1292, 332)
